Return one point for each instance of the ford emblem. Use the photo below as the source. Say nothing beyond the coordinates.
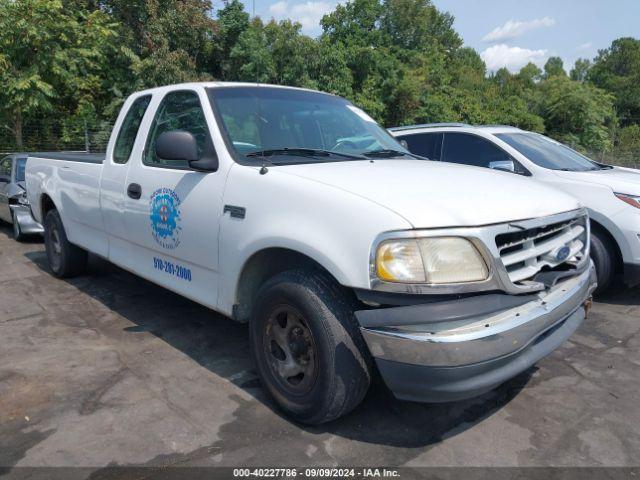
(563, 254)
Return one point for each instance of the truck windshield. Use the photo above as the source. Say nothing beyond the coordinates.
(548, 153)
(20, 167)
(298, 126)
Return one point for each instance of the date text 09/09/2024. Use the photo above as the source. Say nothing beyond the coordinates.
(173, 269)
(315, 472)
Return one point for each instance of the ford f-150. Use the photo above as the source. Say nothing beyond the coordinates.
(294, 211)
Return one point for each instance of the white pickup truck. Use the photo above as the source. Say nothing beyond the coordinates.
(293, 210)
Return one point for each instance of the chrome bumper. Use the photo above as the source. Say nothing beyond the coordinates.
(25, 219)
(482, 346)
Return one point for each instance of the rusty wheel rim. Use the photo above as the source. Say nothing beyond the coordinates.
(290, 350)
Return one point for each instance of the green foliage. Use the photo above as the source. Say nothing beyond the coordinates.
(554, 68)
(580, 70)
(232, 22)
(617, 70)
(400, 60)
(578, 113)
(50, 57)
(629, 139)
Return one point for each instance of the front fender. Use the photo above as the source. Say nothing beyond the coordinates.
(333, 227)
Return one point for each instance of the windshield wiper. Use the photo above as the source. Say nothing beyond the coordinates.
(389, 153)
(303, 152)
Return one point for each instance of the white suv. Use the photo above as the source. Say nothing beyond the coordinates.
(611, 194)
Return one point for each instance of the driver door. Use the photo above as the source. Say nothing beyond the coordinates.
(172, 213)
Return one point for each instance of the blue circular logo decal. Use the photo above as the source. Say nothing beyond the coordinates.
(563, 253)
(165, 218)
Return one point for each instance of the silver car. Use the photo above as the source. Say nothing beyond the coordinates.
(14, 206)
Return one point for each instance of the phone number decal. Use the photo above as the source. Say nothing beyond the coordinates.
(173, 269)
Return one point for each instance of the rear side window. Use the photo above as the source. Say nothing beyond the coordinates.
(424, 144)
(182, 111)
(129, 130)
(471, 150)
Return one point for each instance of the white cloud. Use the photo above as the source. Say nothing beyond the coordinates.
(585, 46)
(308, 14)
(514, 58)
(278, 9)
(513, 29)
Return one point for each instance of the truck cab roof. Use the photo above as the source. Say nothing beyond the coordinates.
(194, 85)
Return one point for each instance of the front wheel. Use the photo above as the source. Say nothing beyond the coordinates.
(308, 350)
(603, 257)
(65, 259)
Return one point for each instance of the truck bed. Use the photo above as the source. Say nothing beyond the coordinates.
(71, 156)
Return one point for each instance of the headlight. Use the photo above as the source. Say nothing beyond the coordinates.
(632, 200)
(438, 260)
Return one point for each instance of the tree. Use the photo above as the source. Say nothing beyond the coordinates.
(617, 70)
(580, 70)
(356, 23)
(577, 113)
(530, 74)
(554, 67)
(629, 139)
(49, 54)
(417, 25)
(250, 58)
(232, 22)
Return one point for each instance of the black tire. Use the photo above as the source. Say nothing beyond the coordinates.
(65, 259)
(18, 236)
(603, 256)
(340, 357)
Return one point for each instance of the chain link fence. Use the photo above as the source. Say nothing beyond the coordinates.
(52, 137)
(617, 157)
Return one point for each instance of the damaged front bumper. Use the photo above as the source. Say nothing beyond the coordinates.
(452, 350)
(28, 225)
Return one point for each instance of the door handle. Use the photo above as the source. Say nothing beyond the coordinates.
(134, 191)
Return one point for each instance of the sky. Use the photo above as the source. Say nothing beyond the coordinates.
(507, 33)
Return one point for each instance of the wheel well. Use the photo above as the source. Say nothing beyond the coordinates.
(602, 231)
(262, 266)
(46, 205)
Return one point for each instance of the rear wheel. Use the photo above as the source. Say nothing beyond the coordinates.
(65, 259)
(18, 236)
(603, 256)
(308, 350)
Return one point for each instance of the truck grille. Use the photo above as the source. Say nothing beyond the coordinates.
(527, 252)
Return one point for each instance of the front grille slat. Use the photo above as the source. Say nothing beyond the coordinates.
(525, 253)
(545, 247)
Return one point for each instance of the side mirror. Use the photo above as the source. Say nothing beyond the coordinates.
(181, 145)
(503, 165)
(177, 145)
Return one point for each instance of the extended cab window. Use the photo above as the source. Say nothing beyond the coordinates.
(129, 130)
(469, 149)
(424, 144)
(179, 110)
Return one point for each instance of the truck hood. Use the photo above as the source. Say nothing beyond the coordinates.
(433, 195)
(619, 179)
